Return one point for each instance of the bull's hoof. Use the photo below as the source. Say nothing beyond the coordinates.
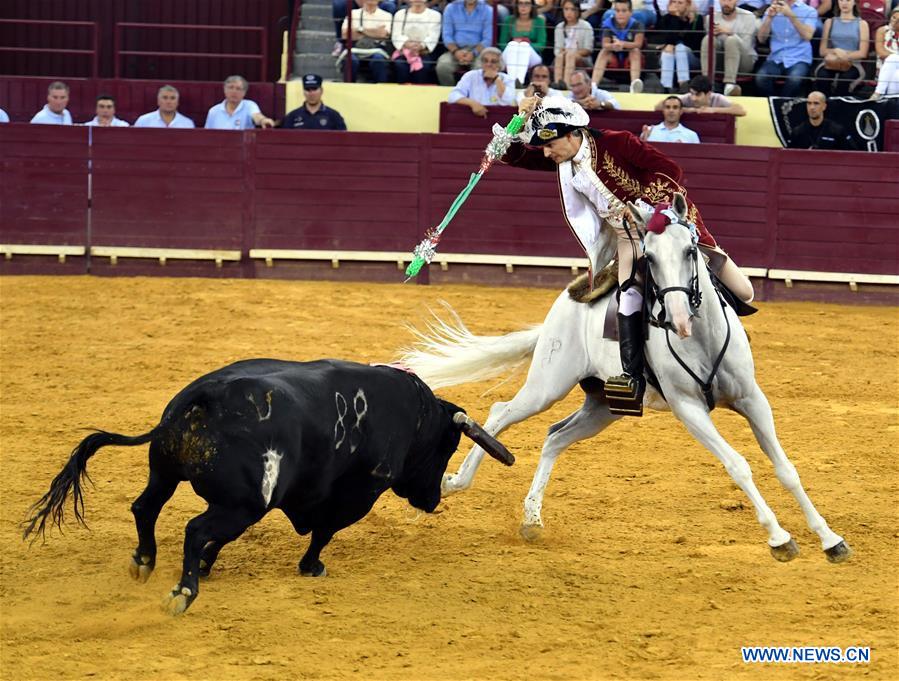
(316, 569)
(785, 552)
(141, 567)
(531, 532)
(204, 568)
(178, 600)
(839, 553)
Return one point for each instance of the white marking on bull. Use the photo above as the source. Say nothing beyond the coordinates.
(339, 427)
(360, 408)
(272, 463)
(268, 402)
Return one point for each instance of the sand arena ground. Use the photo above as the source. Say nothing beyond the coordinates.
(652, 565)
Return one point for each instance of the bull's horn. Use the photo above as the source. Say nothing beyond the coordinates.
(481, 437)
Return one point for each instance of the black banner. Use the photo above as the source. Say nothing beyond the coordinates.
(863, 119)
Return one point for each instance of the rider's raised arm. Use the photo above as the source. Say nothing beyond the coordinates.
(521, 156)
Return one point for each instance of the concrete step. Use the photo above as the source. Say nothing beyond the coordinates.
(316, 3)
(317, 24)
(316, 11)
(315, 42)
(321, 64)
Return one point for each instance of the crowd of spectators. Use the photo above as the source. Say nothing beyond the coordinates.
(623, 40)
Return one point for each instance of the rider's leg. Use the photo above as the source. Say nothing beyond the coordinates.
(625, 392)
(730, 275)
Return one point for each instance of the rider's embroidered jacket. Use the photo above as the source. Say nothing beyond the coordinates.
(628, 167)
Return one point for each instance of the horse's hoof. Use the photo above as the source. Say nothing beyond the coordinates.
(177, 600)
(839, 553)
(785, 552)
(140, 571)
(446, 485)
(531, 532)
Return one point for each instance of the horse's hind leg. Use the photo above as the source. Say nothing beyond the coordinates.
(697, 420)
(146, 509)
(757, 411)
(528, 401)
(590, 419)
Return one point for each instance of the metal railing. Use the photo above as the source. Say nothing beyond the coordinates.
(118, 52)
(95, 40)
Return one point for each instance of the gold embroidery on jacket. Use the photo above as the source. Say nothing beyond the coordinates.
(625, 181)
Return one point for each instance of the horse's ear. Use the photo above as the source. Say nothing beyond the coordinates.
(679, 204)
(635, 215)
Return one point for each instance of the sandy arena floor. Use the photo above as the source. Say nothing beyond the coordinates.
(652, 565)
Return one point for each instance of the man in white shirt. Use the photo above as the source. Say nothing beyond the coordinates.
(539, 83)
(235, 112)
(486, 86)
(106, 117)
(582, 90)
(670, 129)
(166, 116)
(735, 31)
(55, 111)
(4, 118)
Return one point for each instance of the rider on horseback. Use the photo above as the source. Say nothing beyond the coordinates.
(599, 171)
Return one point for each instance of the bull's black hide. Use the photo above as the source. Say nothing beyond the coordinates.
(319, 440)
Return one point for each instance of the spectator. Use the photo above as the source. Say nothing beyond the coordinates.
(680, 34)
(886, 44)
(645, 15)
(701, 99)
(573, 45)
(235, 112)
(313, 114)
(818, 132)
(486, 86)
(106, 117)
(735, 30)
(822, 8)
(55, 111)
(593, 12)
(416, 32)
(844, 43)
(467, 29)
(582, 90)
(539, 84)
(622, 41)
(522, 39)
(4, 118)
(791, 25)
(670, 129)
(338, 11)
(166, 116)
(371, 40)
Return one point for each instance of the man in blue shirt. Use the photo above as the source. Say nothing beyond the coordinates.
(791, 25)
(235, 112)
(467, 29)
(670, 129)
(486, 86)
(166, 116)
(313, 115)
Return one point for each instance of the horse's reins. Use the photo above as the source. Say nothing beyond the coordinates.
(695, 297)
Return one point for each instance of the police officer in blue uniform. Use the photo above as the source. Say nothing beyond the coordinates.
(313, 115)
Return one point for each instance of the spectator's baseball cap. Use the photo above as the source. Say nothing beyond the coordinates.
(312, 81)
(554, 117)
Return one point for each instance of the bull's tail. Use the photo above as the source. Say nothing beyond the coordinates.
(70, 479)
(447, 353)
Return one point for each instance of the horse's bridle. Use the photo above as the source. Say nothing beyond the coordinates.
(694, 295)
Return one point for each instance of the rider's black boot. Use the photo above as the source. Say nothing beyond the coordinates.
(625, 392)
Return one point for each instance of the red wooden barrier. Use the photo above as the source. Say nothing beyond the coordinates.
(783, 209)
(891, 135)
(717, 128)
(21, 98)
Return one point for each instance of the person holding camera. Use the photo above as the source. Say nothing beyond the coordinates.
(790, 24)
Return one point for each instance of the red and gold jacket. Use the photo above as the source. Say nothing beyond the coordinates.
(630, 168)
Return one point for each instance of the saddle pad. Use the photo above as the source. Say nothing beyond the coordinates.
(604, 281)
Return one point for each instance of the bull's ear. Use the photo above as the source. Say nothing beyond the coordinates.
(679, 204)
(481, 437)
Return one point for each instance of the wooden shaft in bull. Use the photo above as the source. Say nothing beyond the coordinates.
(489, 443)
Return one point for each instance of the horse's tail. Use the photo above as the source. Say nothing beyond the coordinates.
(447, 353)
(70, 478)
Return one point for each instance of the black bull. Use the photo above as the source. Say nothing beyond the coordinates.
(319, 440)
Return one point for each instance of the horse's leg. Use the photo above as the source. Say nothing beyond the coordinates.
(590, 419)
(757, 411)
(533, 398)
(697, 420)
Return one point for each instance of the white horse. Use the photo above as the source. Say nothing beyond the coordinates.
(684, 350)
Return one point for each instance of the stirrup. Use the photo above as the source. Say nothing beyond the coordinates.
(624, 395)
